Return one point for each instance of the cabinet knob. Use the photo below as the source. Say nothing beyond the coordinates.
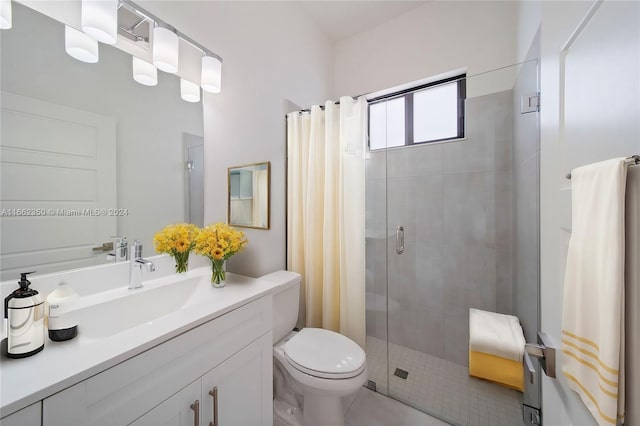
(214, 393)
(196, 412)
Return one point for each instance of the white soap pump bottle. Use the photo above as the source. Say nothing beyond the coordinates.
(61, 326)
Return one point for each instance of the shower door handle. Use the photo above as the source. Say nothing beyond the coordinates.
(399, 240)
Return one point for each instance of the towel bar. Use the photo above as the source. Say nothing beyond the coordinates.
(545, 351)
(632, 161)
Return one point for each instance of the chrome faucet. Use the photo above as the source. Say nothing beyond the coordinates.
(137, 262)
(120, 251)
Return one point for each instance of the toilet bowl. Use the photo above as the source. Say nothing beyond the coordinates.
(316, 371)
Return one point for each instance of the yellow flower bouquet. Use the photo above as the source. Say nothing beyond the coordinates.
(219, 242)
(177, 241)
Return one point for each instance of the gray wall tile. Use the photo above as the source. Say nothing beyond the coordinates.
(469, 208)
(428, 221)
(456, 329)
(429, 280)
(454, 200)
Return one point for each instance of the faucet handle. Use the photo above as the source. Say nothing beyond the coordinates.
(120, 248)
(119, 241)
(137, 249)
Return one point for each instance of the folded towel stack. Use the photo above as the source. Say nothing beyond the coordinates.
(496, 348)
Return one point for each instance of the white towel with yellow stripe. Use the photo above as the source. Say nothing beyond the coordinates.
(593, 304)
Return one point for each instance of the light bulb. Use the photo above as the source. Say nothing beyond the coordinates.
(5, 14)
(211, 74)
(189, 91)
(80, 46)
(165, 49)
(144, 72)
(100, 19)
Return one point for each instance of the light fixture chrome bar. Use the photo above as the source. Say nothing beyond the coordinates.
(157, 21)
(137, 24)
(134, 36)
(630, 161)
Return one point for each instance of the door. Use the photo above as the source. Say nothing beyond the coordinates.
(590, 81)
(454, 224)
(28, 416)
(194, 188)
(182, 409)
(239, 391)
(58, 186)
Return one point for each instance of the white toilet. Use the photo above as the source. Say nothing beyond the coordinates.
(316, 372)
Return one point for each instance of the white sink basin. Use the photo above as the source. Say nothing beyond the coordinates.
(105, 314)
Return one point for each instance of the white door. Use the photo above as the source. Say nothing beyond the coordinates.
(590, 84)
(194, 188)
(182, 409)
(58, 186)
(242, 386)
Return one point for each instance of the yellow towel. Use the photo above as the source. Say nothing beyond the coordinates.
(593, 304)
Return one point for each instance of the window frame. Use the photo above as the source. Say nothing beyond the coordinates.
(407, 94)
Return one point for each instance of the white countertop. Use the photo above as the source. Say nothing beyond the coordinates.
(63, 364)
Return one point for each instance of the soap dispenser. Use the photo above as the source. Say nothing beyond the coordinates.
(24, 311)
(61, 327)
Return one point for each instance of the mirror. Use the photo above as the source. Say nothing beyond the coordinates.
(86, 152)
(248, 204)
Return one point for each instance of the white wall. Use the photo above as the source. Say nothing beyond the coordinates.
(438, 37)
(272, 54)
(599, 120)
(528, 15)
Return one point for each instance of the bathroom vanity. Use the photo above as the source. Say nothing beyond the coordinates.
(175, 352)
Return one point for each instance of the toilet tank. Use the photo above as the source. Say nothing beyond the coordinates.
(286, 302)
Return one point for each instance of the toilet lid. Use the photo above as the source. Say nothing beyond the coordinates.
(324, 353)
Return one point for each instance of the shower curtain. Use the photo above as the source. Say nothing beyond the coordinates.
(326, 213)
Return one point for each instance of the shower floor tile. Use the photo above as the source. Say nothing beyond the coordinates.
(442, 388)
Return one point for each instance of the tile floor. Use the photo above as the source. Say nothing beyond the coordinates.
(441, 388)
(373, 409)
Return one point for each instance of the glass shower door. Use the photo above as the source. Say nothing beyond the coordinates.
(376, 253)
(461, 232)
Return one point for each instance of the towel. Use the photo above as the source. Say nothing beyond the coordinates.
(593, 304)
(496, 334)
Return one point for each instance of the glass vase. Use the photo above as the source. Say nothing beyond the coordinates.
(218, 272)
(182, 262)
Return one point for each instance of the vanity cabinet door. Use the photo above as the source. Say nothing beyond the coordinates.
(182, 409)
(28, 416)
(243, 387)
(125, 392)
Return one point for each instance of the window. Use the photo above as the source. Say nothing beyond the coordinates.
(429, 113)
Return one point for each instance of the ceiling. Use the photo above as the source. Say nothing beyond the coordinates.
(340, 19)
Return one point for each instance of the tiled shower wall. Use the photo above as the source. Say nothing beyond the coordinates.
(454, 201)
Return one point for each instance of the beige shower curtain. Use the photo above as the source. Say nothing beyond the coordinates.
(325, 214)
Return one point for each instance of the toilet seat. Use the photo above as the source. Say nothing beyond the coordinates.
(325, 354)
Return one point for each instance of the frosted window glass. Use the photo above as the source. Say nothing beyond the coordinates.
(435, 113)
(378, 126)
(395, 122)
(386, 124)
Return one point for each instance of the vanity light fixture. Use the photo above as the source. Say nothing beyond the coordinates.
(144, 72)
(100, 19)
(165, 49)
(189, 91)
(5, 14)
(80, 46)
(211, 78)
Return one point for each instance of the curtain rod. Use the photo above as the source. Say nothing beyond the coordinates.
(634, 160)
(322, 106)
(400, 92)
